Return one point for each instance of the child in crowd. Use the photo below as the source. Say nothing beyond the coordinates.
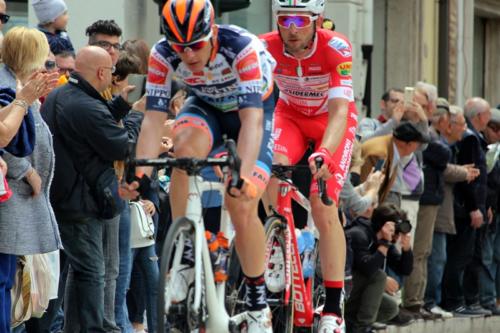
(53, 19)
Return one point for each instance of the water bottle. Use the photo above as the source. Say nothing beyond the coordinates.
(307, 256)
(213, 247)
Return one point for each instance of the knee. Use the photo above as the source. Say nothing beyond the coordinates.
(326, 218)
(243, 214)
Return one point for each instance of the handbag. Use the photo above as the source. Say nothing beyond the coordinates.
(142, 228)
(21, 293)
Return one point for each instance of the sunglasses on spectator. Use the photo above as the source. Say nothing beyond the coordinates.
(299, 21)
(50, 65)
(112, 68)
(107, 45)
(194, 46)
(4, 18)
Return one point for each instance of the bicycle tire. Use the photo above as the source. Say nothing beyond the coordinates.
(167, 255)
(282, 314)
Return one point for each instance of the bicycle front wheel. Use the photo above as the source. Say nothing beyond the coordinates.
(173, 317)
(276, 276)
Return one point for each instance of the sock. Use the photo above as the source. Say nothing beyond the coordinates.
(255, 293)
(333, 290)
(188, 255)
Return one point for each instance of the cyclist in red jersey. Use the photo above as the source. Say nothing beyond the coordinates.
(316, 104)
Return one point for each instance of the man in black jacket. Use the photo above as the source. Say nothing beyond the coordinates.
(373, 248)
(87, 139)
(469, 208)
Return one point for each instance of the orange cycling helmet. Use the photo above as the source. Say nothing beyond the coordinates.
(186, 21)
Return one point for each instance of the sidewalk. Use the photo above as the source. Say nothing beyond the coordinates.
(453, 325)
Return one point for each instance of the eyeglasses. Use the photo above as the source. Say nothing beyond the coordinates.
(4, 18)
(63, 70)
(395, 100)
(112, 68)
(107, 45)
(194, 46)
(50, 65)
(299, 21)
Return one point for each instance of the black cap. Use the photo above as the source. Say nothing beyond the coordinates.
(408, 132)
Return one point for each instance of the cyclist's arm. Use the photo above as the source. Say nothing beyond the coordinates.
(149, 141)
(337, 122)
(249, 138)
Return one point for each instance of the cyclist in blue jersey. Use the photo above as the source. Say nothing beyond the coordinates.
(229, 73)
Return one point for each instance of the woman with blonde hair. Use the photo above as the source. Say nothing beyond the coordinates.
(27, 222)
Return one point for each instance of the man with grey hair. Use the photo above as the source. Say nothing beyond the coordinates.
(470, 211)
(435, 160)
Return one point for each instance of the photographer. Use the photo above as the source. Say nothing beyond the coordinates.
(373, 245)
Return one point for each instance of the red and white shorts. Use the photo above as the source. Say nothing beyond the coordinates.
(293, 132)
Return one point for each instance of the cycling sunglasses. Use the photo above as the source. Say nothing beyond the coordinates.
(299, 21)
(194, 46)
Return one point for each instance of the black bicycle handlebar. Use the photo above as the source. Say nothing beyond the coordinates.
(283, 172)
(191, 165)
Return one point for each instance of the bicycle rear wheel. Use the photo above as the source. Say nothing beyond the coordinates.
(276, 276)
(176, 318)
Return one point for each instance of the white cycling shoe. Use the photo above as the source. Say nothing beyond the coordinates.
(178, 284)
(274, 274)
(259, 321)
(331, 324)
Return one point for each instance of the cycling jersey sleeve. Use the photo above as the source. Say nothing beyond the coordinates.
(159, 82)
(248, 68)
(339, 57)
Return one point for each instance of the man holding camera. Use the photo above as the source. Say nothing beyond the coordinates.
(374, 247)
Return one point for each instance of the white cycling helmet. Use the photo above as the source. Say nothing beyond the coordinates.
(316, 7)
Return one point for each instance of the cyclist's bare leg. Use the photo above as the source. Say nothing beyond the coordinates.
(270, 196)
(332, 251)
(188, 142)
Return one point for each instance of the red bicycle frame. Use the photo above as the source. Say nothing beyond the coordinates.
(302, 290)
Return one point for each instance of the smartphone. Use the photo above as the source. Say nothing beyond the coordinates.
(139, 81)
(380, 163)
(409, 94)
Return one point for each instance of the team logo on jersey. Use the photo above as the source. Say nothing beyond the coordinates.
(157, 71)
(341, 46)
(248, 68)
(344, 68)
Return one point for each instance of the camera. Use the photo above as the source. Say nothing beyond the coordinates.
(403, 226)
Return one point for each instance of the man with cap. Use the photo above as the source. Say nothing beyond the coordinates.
(435, 159)
(53, 18)
(405, 140)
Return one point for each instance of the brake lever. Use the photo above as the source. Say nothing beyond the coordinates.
(327, 201)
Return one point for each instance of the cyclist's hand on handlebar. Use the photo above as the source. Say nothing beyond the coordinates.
(217, 169)
(326, 170)
(247, 192)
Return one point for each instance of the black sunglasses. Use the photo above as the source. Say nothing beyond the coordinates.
(50, 65)
(4, 18)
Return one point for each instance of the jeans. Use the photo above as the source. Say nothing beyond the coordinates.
(435, 270)
(123, 281)
(145, 278)
(460, 252)
(7, 274)
(368, 302)
(489, 275)
(84, 294)
(111, 263)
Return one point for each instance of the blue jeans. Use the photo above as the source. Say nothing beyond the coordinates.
(123, 281)
(144, 284)
(489, 275)
(7, 273)
(435, 270)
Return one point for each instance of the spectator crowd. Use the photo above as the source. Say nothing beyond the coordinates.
(420, 206)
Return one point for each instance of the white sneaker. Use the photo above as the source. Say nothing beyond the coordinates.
(178, 284)
(259, 321)
(274, 275)
(331, 324)
(436, 309)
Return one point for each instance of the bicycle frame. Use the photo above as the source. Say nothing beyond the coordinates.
(218, 320)
(302, 290)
